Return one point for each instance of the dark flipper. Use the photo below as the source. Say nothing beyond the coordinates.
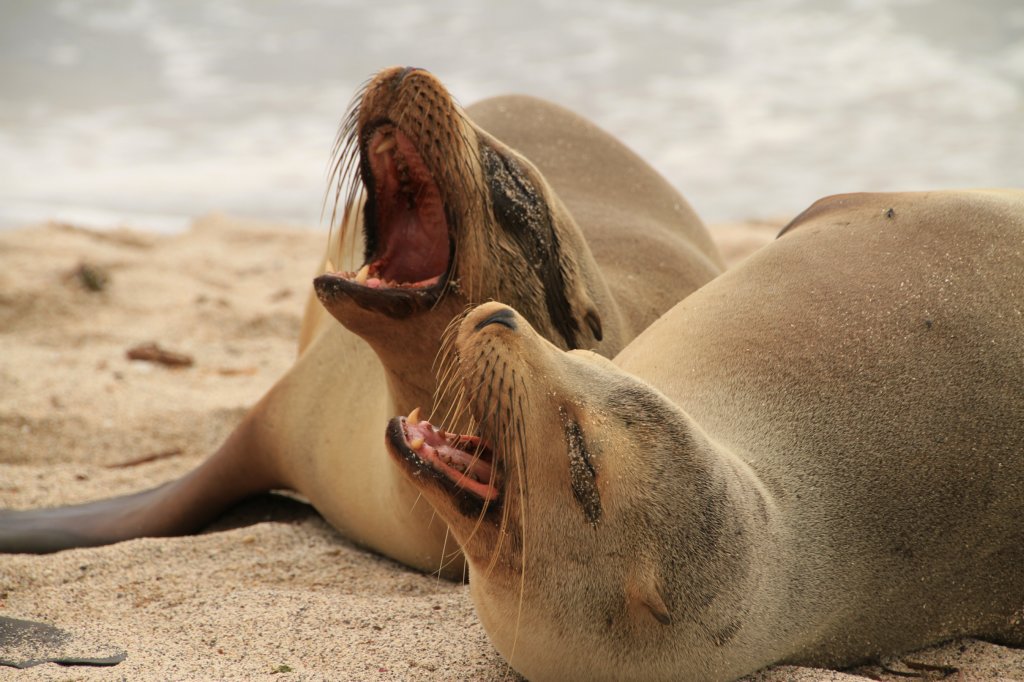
(150, 513)
(234, 472)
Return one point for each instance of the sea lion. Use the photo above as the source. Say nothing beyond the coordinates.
(452, 215)
(817, 458)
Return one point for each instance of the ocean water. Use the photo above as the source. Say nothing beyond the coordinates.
(151, 113)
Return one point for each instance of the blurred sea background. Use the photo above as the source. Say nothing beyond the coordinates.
(149, 113)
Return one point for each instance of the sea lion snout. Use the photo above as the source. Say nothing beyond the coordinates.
(402, 72)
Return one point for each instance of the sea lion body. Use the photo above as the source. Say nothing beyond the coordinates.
(451, 216)
(817, 458)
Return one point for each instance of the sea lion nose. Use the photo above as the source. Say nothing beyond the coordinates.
(505, 317)
(402, 74)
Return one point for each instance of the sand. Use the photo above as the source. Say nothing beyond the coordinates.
(271, 591)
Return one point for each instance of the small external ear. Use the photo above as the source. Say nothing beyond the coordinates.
(593, 321)
(644, 598)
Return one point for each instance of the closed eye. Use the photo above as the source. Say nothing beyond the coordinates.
(582, 475)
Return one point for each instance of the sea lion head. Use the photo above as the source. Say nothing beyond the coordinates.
(452, 217)
(566, 503)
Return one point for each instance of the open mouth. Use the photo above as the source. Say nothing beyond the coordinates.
(409, 247)
(463, 464)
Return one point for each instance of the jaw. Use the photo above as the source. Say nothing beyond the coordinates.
(408, 233)
(461, 466)
(405, 347)
(365, 309)
(458, 474)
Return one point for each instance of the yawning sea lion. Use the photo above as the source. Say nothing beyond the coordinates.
(817, 458)
(453, 214)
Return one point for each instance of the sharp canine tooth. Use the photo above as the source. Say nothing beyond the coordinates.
(414, 416)
(416, 443)
(363, 273)
(387, 144)
(329, 266)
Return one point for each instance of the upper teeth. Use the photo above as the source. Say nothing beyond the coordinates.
(386, 144)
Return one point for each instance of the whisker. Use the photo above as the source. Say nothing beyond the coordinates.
(522, 565)
(449, 389)
(486, 418)
(448, 559)
(503, 524)
(444, 362)
(345, 147)
(344, 186)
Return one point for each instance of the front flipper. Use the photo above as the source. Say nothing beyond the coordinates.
(151, 513)
(236, 471)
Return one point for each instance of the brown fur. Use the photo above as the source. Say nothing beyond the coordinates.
(317, 430)
(817, 458)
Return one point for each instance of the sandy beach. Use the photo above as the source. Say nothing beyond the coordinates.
(270, 591)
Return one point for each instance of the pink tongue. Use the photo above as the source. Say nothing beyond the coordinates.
(479, 468)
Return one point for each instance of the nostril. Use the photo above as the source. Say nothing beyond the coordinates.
(505, 317)
(402, 74)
